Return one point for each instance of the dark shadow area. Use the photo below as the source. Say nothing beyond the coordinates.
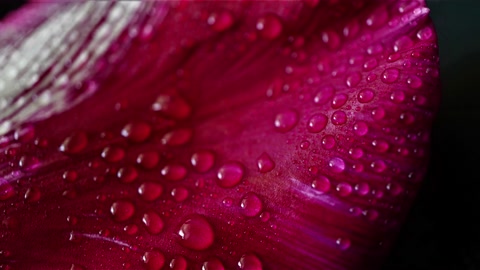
(7, 6)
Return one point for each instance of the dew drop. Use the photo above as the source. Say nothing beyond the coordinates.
(365, 95)
(356, 152)
(153, 260)
(136, 131)
(337, 165)
(250, 261)
(378, 166)
(265, 163)
(213, 264)
(317, 123)
(390, 75)
(339, 118)
(425, 33)
(150, 191)
(177, 137)
(378, 18)
(343, 243)
(148, 160)
(178, 263)
(202, 160)
(153, 222)
(328, 142)
(371, 214)
(269, 26)
(220, 21)
(353, 79)
(74, 144)
(174, 172)
(414, 82)
(394, 188)
(70, 176)
(196, 233)
(402, 43)
(331, 39)
(304, 145)
(172, 106)
(397, 96)
(360, 128)
(122, 210)
(33, 194)
(370, 64)
(28, 163)
(362, 189)
(251, 205)
(351, 29)
(230, 174)
(127, 174)
(380, 146)
(179, 194)
(286, 121)
(324, 95)
(344, 189)
(113, 154)
(321, 184)
(339, 100)
(378, 113)
(131, 229)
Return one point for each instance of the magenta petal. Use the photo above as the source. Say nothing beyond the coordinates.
(222, 135)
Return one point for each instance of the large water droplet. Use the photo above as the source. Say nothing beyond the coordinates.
(337, 165)
(343, 243)
(353, 79)
(213, 264)
(122, 210)
(250, 261)
(150, 191)
(269, 26)
(390, 75)
(317, 123)
(339, 100)
(397, 96)
(230, 174)
(113, 154)
(344, 189)
(285, 121)
(365, 95)
(179, 194)
(251, 205)
(265, 163)
(127, 174)
(362, 189)
(202, 160)
(174, 172)
(75, 143)
(321, 184)
(178, 263)
(196, 233)
(414, 82)
(356, 152)
(153, 260)
(153, 222)
(324, 95)
(339, 118)
(425, 33)
(177, 137)
(360, 128)
(136, 131)
(148, 159)
(328, 142)
(172, 106)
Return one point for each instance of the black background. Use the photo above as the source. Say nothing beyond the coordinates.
(443, 229)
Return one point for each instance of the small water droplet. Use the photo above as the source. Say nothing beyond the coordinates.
(250, 261)
(230, 174)
(394, 188)
(304, 145)
(177, 137)
(324, 95)
(343, 243)
(337, 165)
(172, 106)
(113, 154)
(70, 176)
(74, 143)
(286, 121)
(378, 166)
(365, 95)
(370, 64)
(360, 128)
(136, 131)
(150, 191)
(148, 159)
(402, 44)
(269, 26)
(425, 33)
(397, 96)
(378, 113)
(220, 21)
(321, 184)
(131, 229)
(344, 189)
(213, 264)
(178, 263)
(153, 260)
(331, 39)
(33, 194)
(179, 194)
(328, 142)
(371, 214)
(353, 79)
(378, 18)
(317, 123)
(390, 75)
(251, 205)
(202, 160)
(356, 152)
(339, 118)
(380, 145)
(28, 163)
(122, 210)
(362, 189)
(414, 82)
(196, 233)
(339, 100)
(153, 222)
(265, 163)
(127, 174)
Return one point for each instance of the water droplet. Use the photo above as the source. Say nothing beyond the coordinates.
(251, 205)
(339, 100)
(213, 264)
(378, 166)
(179, 194)
(321, 184)
(317, 123)
(339, 118)
(28, 163)
(336, 164)
(351, 29)
(148, 160)
(269, 26)
(343, 243)
(380, 146)
(304, 145)
(362, 189)
(174, 172)
(24, 134)
(131, 229)
(75, 143)
(70, 176)
(202, 160)
(331, 39)
(360, 128)
(402, 44)
(113, 154)
(393, 57)
(370, 64)
(356, 153)
(250, 261)
(122, 210)
(265, 216)
(375, 49)
(397, 96)
(365, 95)
(378, 113)
(414, 82)
(172, 106)
(394, 188)
(136, 131)
(425, 33)
(265, 163)
(353, 79)
(324, 95)
(196, 233)
(178, 263)
(286, 120)
(32, 194)
(177, 137)
(344, 189)
(153, 222)
(390, 75)
(127, 174)
(153, 260)
(328, 142)
(378, 18)
(150, 191)
(220, 21)
(230, 174)
(371, 214)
